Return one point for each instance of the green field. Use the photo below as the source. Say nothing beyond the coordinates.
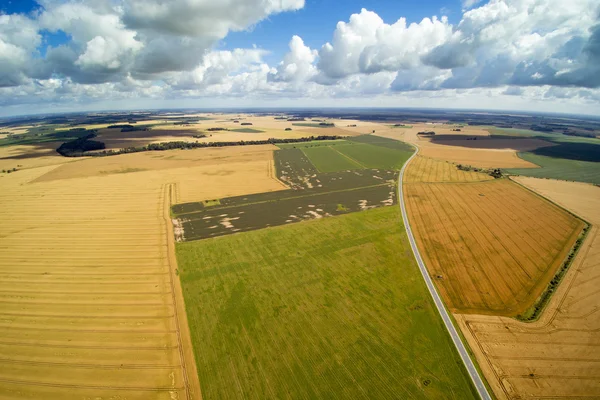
(372, 156)
(328, 159)
(559, 168)
(328, 309)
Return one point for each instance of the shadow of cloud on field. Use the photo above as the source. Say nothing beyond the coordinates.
(571, 151)
(26, 151)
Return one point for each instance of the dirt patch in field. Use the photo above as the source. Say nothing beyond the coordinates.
(494, 246)
(558, 355)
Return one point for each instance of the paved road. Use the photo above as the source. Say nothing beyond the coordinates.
(477, 381)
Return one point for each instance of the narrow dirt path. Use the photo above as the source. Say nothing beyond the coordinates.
(186, 350)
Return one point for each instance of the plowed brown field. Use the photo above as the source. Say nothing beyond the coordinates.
(559, 355)
(90, 300)
(491, 246)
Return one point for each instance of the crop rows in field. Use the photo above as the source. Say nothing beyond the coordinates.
(424, 169)
(313, 194)
(491, 246)
(86, 292)
(332, 308)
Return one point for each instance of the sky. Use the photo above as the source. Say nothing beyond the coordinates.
(78, 55)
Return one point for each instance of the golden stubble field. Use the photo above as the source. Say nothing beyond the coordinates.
(490, 245)
(557, 356)
(91, 305)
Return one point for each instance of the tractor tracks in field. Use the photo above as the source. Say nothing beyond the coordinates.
(186, 350)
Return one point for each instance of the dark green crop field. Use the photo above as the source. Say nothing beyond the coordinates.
(332, 184)
(328, 309)
(571, 160)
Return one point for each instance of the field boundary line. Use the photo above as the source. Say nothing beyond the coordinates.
(186, 350)
(454, 335)
(348, 157)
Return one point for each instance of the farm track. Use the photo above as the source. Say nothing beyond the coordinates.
(87, 292)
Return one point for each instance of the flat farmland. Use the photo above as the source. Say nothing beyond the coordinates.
(424, 169)
(87, 271)
(331, 308)
(493, 246)
(557, 356)
(313, 195)
(458, 147)
(88, 305)
(330, 158)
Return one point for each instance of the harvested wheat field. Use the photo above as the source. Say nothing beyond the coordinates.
(162, 160)
(425, 169)
(492, 247)
(557, 356)
(91, 304)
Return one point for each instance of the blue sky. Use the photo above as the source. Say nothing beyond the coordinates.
(314, 23)
(539, 55)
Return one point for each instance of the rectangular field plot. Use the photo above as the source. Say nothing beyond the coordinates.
(217, 221)
(332, 308)
(86, 302)
(492, 247)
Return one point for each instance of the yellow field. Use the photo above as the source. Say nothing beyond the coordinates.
(424, 169)
(491, 246)
(556, 356)
(91, 304)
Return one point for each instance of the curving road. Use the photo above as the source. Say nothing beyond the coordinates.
(464, 355)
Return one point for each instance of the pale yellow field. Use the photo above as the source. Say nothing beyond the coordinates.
(559, 355)
(91, 305)
(161, 160)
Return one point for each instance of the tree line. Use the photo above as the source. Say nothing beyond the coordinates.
(77, 148)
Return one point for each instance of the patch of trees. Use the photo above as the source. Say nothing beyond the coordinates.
(326, 124)
(540, 128)
(288, 129)
(217, 129)
(494, 172)
(456, 130)
(246, 123)
(297, 119)
(426, 133)
(128, 128)
(581, 134)
(76, 148)
(72, 149)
